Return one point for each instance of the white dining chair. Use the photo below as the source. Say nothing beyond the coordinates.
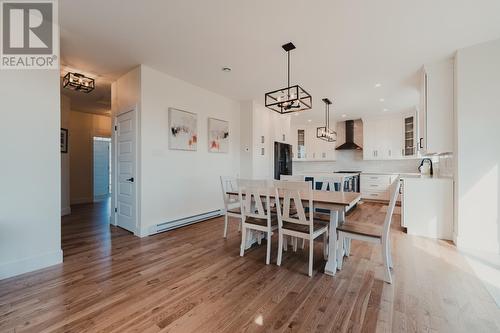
(340, 180)
(255, 201)
(372, 233)
(231, 203)
(298, 225)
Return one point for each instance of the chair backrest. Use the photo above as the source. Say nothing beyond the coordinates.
(328, 182)
(255, 198)
(324, 181)
(229, 184)
(394, 191)
(294, 178)
(294, 191)
(338, 179)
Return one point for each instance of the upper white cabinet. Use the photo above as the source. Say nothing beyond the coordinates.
(436, 108)
(307, 147)
(383, 138)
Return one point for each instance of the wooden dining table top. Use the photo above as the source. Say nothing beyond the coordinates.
(325, 197)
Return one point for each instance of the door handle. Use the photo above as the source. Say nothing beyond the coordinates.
(131, 179)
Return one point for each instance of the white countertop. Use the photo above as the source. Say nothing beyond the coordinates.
(408, 175)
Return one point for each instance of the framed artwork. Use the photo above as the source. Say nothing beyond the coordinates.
(64, 140)
(218, 136)
(183, 130)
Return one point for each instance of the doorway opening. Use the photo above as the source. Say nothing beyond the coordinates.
(101, 168)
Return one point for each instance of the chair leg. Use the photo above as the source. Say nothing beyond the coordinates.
(303, 243)
(259, 237)
(243, 241)
(294, 241)
(385, 257)
(340, 250)
(281, 245)
(311, 252)
(268, 253)
(347, 249)
(285, 243)
(325, 245)
(389, 253)
(225, 225)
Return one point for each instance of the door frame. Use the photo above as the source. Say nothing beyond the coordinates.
(137, 179)
(112, 169)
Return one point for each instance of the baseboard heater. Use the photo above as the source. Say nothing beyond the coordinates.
(186, 221)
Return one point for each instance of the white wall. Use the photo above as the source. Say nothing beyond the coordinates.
(65, 159)
(177, 184)
(477, 117)
(30, 164)
(246, 137)
(256, 122)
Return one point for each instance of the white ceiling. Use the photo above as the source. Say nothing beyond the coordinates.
(343, 47)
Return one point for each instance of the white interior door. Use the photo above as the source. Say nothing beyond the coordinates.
(126, 173)
(101, 168)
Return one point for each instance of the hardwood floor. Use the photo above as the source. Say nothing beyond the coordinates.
(192, 280)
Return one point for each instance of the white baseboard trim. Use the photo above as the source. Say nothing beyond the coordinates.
(65, 211)
(26, 265)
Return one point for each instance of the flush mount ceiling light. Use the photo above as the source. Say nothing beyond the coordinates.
(325, 132)
(78, 82)
(289, 99)
(378, 85)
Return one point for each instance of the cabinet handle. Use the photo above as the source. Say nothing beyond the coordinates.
(374, 185)
(420, 143)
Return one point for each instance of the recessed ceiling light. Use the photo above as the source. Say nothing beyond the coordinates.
(344, 115)
(226, 69)
(385, 110)
(309, 120)
(382, 100)
(378, 85)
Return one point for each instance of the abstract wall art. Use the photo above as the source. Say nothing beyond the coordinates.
(183, 130)
(218, 135)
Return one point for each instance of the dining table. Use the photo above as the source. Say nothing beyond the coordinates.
(337, 204)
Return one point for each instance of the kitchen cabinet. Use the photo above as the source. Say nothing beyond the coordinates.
(376, 186)
(436, 108)
(313, 149)
(383, 138)
(410, 134)
(427, 206)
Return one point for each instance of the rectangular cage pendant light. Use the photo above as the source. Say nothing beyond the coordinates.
(78, 82)
(325, 132)
(291, 98)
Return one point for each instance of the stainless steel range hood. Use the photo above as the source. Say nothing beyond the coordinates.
(349, 130)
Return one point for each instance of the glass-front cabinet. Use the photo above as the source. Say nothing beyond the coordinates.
(410, 134)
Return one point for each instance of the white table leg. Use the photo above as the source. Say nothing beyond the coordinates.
(331, 264)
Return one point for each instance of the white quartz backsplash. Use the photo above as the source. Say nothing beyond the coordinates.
(352, 160)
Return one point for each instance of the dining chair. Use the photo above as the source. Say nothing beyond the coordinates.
(255, 201)
(299, 225)
(372, 233)
(340, 180)
(231, 203)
